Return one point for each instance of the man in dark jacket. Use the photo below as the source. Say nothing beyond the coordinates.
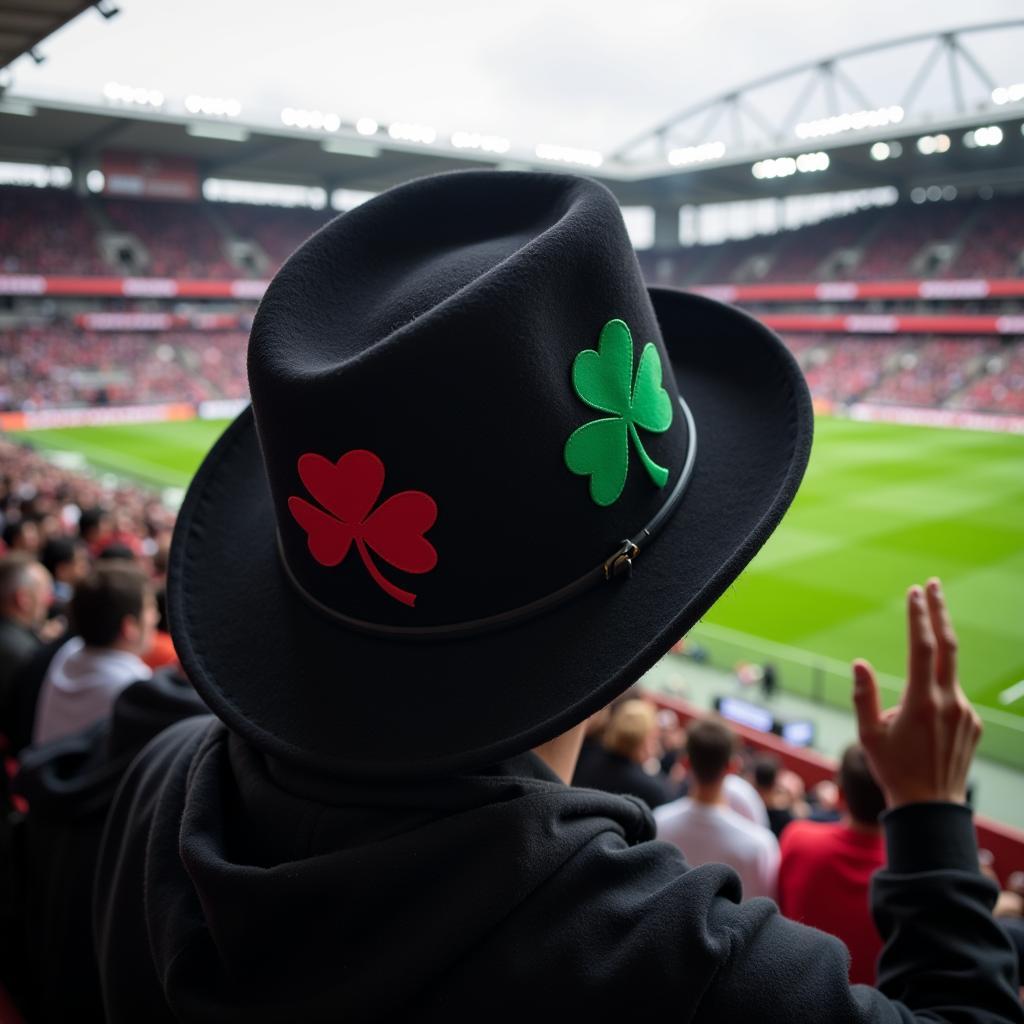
(628, 743)
(400, 582)
(25, 593)
(69, 785)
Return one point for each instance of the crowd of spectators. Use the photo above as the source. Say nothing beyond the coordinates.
(61, 524)
(276, 230)
(983, 239)
(179, 238)
(929, 373)
(47, 231)
(61, 365)
(979, 374)
(843, 368)
(1001, 387)
(51, 231)
(904, 232)
(814, 852)
(992, 247)
(54, 231)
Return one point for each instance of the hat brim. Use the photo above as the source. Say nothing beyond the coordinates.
(307, 689)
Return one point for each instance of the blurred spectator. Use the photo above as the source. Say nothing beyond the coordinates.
(776, 799)
(628, 742)
(114, 613)
(26, 591)
(161, 652)
(744, 799)
(94, 528)
(826, 868)
(591, 750)
(702, 824)
(22, 535)
(67, 561)
(115, 551)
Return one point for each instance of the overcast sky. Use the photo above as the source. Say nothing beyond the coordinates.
(587, 73)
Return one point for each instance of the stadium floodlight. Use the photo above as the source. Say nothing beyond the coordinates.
(115, 92)
(687, 155)
(928, 145)
(367, 126)
(407, 131)
(809, 162)
(989, 135)
(858, 120)
(487, 143)
(568, 154)
(784, 166)
(310, 120)
(95, 180)
(933, 193)
(1008, 94)
(918, 195)
(213, 106)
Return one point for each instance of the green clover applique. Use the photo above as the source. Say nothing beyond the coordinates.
(604, 380)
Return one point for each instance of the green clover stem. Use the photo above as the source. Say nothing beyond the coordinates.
(657, 473)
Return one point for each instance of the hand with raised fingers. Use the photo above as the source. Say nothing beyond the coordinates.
(920, 750)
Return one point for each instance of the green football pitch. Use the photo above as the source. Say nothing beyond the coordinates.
(881, 507)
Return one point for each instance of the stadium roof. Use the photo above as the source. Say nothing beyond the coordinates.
(749, 157)
(26, 23)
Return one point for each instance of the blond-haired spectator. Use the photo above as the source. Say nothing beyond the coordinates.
(629, 742)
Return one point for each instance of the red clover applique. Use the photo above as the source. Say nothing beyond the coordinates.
(348, 489)
(604, 380)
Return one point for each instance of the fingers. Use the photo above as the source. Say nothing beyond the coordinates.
(921, 648)
(945, 637)
(866, 701)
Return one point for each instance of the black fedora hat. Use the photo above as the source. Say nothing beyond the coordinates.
(487, 479)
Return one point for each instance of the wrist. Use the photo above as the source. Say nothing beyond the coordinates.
(903, 797)
(930, 835)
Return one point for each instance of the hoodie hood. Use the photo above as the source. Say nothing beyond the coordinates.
(273, 896)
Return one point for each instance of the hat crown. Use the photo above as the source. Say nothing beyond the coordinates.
(412, 377)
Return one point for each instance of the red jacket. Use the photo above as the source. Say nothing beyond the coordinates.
(823, 881)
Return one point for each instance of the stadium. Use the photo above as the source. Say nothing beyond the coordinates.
(866, 205)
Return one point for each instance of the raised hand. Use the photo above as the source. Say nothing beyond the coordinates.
(920, 750)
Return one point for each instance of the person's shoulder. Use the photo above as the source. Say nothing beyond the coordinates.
(673, 811)
(803, 834)
(170, 753)
(16, 639)
(757, 834)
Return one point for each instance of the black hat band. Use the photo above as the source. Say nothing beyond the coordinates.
(619, 564)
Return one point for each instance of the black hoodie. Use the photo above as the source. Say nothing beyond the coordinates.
(69, 785)
(230, 888)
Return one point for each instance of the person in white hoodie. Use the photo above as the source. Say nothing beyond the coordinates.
(114, 615)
